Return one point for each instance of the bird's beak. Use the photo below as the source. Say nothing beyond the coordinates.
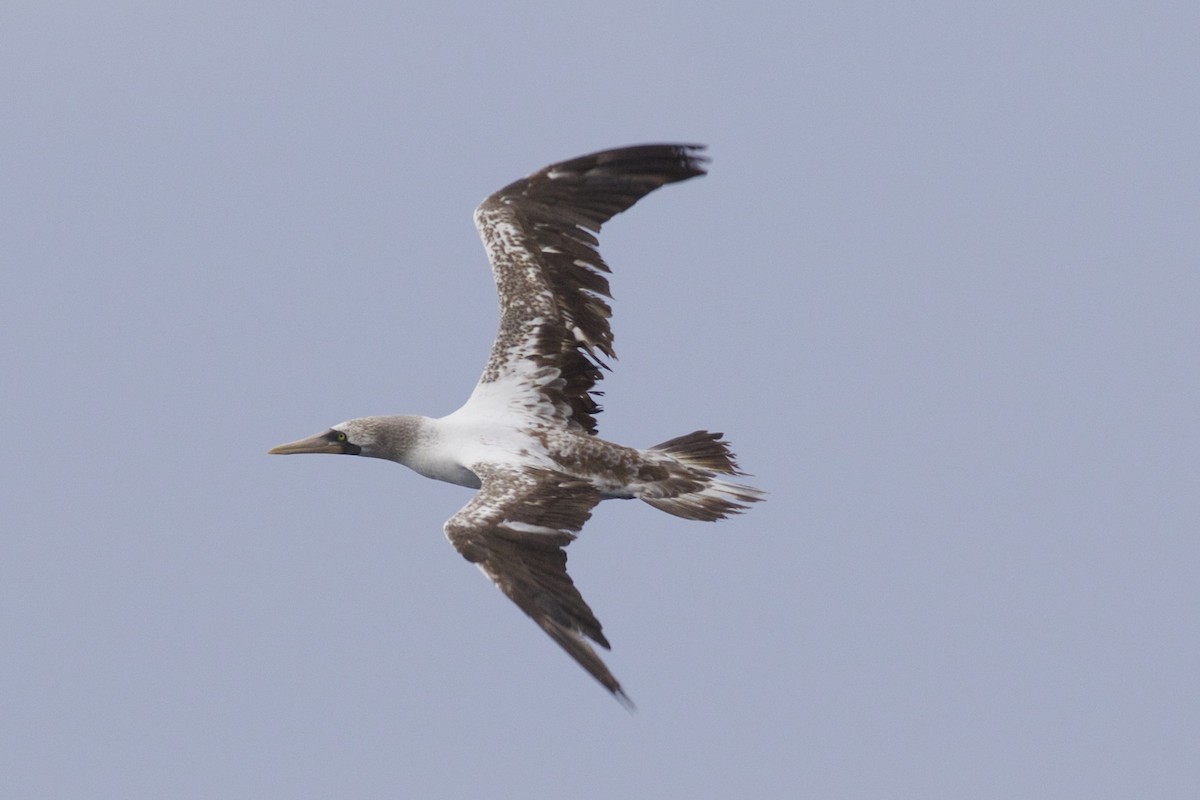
(321, 443)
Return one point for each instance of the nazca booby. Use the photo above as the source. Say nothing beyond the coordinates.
(526, 437)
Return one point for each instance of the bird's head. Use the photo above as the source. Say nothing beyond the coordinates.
(355, 437)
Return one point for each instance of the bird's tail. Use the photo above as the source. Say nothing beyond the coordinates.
(690, 486)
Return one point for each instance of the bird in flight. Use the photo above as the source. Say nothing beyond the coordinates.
(526, 437)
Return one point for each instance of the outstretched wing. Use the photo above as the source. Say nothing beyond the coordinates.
(515, 530)
(539, 233)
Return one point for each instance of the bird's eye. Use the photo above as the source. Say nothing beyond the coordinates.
(341, 436)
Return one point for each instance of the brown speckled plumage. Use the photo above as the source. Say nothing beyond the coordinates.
(526, 436)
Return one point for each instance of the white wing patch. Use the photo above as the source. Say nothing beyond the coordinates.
(525, 527)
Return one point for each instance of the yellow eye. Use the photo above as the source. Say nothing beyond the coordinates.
(341, 436)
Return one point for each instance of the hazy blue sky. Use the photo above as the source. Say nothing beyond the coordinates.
(940, 289)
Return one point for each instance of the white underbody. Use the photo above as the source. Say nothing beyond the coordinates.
(450, 445)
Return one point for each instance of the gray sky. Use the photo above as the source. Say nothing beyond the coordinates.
(940, 289)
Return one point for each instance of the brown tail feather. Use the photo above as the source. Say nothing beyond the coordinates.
(692, 490)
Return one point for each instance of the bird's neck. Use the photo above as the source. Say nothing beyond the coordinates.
(398, 438)
(429, 447)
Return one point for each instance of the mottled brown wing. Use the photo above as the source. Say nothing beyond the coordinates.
(539, 235)
(515, 530)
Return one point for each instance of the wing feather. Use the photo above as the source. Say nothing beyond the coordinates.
(516, 530)
(550, 277)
